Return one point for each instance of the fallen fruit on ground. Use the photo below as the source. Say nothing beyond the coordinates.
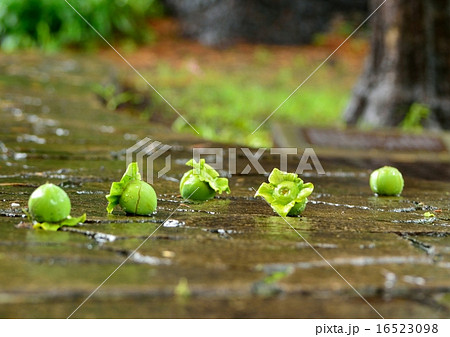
(286, 193)
(386, 180)
(49, 208)
(132, 194)
(202, 182)
(49, 203)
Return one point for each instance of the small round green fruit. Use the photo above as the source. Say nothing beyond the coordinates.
(386, 180)
(49, 203)
(138, 198)
(191, 187)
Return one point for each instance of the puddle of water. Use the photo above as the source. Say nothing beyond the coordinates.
(172, 223)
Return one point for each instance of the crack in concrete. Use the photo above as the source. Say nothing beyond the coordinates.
(428, 249)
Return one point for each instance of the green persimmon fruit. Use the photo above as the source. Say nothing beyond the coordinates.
(138, 198)
(386, 180)
(49, 203)
(191, 187)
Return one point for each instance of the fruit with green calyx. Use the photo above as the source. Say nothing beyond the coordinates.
(202, 182)
(132, 194)
(49, 208)
(387, 181)
(286, 193)
(49, 203)
(195, 189)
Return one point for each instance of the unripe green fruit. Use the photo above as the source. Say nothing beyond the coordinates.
(49, 203)
(138, 198)
(386, 181)
(191, 187)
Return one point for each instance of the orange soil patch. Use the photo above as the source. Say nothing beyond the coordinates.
(175, 50)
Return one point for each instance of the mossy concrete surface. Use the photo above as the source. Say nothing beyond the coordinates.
(228, 257)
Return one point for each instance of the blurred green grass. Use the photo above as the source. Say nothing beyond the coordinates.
(227, 103)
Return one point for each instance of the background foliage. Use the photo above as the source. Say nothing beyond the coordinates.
(225, 100)
(52, 24)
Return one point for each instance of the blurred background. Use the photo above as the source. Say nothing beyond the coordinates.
(227, 65)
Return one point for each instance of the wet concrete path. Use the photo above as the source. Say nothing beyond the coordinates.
(228, 257)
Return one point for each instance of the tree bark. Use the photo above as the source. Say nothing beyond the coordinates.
(409, 63)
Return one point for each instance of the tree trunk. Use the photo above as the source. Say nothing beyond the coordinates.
(409, 63)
